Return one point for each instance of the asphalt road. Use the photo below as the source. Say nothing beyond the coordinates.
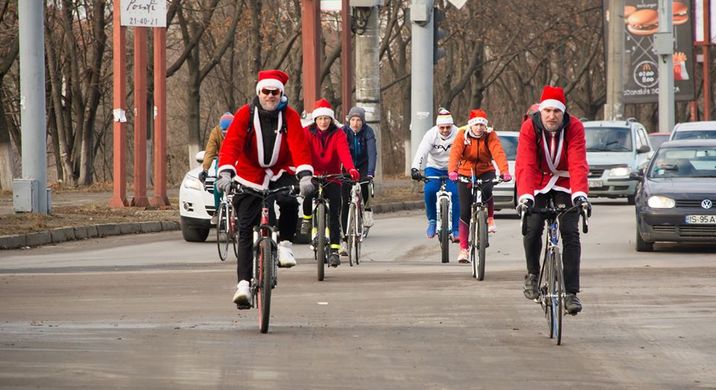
(153, 312)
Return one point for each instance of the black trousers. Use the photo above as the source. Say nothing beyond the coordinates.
(365, 194)
(248, 211)
(465, 195)
(569, 230)
(332, 192)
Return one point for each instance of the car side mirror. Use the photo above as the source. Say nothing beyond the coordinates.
(199, 157)
(638, 174)
(643, 149)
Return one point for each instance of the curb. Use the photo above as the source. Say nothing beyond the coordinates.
(63, 234)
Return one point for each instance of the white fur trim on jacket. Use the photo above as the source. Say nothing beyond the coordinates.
(478, 120)
(323, 111)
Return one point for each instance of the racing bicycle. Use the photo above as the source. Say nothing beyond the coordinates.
(226, 227)
(355, 231)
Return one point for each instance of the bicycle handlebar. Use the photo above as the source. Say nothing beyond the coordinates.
(237, 188)
(554, 212)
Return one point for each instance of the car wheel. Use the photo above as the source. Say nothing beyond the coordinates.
(194, 234)
(630, 199)
(641, 245)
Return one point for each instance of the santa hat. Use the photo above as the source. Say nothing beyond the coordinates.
(552, 97)
(323, 108)
(477, 117)
(444, 118)
(225, 120)
(271, 79)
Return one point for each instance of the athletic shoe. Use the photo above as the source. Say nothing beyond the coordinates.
(432, 227)
(242, 297)
(285, 254)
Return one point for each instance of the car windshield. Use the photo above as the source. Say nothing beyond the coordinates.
(608, 139)
(684, 162)
(695, 134)
(509, 145)
(657, 139)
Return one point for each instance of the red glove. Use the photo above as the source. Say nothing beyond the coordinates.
(355, 175)
(506, 176)
(452, 176)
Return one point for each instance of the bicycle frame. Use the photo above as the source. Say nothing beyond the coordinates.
(355, 230)
(478, 236)
(321, 223)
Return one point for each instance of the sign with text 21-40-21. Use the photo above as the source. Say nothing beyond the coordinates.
(143, 13)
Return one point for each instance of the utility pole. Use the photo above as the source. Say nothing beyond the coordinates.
(421, 78)
(614, 108)
(664, 49)
(30, 194)
(368, 71)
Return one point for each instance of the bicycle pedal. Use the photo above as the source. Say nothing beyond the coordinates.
(243, 306)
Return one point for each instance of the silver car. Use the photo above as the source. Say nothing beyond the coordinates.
(505, 193)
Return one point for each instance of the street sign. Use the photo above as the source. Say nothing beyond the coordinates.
(143, 13)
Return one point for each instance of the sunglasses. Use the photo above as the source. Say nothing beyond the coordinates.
(274, 92)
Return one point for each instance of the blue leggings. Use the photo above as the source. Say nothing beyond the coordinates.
(431, 189)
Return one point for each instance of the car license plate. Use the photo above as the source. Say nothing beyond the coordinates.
(595, 183)
(701, 219)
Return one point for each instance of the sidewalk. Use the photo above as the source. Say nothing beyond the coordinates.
(397, 196)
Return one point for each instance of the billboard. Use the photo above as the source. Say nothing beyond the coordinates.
(641, 73)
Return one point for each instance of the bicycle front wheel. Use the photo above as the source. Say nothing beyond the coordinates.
(321, 255)
(482, 242)
(557, 306)
(360, 232)
(444, 230)
(350, 234)
(265, 276)
(222, 232)
(472, 235)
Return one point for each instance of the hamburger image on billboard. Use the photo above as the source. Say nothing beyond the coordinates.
(680, 13)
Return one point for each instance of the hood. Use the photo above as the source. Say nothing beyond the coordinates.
(675, 187)
(609, 158)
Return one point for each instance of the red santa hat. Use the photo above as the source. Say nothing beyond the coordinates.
(323, 108)
(271, 79)
(553, 97)
(477, 117)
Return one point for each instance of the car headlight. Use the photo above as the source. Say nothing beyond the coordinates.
(619, 171)
(193, 183)
(661, 202)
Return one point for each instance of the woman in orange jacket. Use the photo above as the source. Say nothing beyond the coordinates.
(472, 154)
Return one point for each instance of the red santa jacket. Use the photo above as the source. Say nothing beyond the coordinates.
(242, 152)
(566, 172)
(329, 150)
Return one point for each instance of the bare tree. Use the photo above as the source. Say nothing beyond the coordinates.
(8, 55)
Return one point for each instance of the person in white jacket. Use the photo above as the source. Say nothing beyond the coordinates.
(433, 154)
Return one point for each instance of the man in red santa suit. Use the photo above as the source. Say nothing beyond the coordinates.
(552, 164)
(265, 147)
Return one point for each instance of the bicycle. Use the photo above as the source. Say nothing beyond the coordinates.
(371, 190)
(551, 279)
(355, 231)
(264, 276)
(477, 236)
(444, 216)
(322, 245)
(226, 227)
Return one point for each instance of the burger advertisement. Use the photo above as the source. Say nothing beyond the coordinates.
(641, 22)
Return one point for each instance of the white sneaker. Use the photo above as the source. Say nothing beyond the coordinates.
(285, 254)
(214, 219)
(368, 219)
(242, 297)
(463, 257)
(343, 251)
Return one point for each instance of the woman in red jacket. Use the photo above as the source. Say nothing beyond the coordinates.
(329, 150)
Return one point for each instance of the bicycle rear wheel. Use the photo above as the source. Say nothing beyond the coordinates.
(444, 230)
(234, 231)
(321, 255)
(222, 232)
(350, 234)
(265, 276)
(482, 241)
(558, 295)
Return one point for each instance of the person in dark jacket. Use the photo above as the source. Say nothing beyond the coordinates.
(361, 142)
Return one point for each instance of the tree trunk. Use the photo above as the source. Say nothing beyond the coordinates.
(6, 161)
(193, 106)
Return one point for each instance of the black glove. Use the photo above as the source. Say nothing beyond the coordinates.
(203, 175)
(582, 202)
(525, 206)
(415, 174)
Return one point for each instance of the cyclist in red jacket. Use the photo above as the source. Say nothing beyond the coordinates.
(552, 163)
(265, 147)
(329, 149)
